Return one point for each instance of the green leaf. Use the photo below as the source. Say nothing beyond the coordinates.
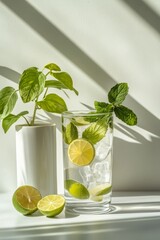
(96, 131)
(52, 66)
(31, 84)
(65, 79)
(126, 115)
(103, 107)
(11, 119)
(53, 103)
(70, 133)
(8, 99)
(55, 84)
(118, 93)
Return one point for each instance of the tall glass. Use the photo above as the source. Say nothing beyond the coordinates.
(87, 151)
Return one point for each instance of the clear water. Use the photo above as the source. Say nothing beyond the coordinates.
(97, 173)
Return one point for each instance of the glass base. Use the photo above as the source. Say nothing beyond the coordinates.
(86, 207)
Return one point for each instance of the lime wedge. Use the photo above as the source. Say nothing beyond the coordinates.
(25, 199)
(100, 190)
(76, 189)
(80, 121)
(51, 205)
(81, 152)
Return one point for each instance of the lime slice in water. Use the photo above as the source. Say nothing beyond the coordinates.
(101, 189)
(25, 199)
(80, 121)
(81, 152)
(76, 189)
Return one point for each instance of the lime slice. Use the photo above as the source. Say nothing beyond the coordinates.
(96, 198)
(100, 190)
(81, 152)
(25, 199)
(51, 205)
(76, 189)
(80, 121)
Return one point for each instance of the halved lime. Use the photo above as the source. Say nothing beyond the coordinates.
(25, 199)
(81, 152)
(76, 189)
(100, 190)
(51, 205)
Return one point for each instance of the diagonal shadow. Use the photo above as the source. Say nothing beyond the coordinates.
(144, 11)
(9, 74)
(59, 40)
(67, 47)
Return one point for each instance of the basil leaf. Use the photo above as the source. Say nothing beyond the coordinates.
(70, 133)
(52, 66)
(53, 103)
(31, 84)
(65, 79)
(118, 93)
(11, 119)
(8, 99)
(96, 131)
(126, 115)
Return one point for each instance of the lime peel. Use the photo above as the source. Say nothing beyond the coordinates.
(25, 199)
(76, 189)
(101, 189)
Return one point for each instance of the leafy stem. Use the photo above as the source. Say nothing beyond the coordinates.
(34, 85)
(116, 96)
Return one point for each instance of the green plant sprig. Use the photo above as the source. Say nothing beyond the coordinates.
(33, 87)
(116, 96)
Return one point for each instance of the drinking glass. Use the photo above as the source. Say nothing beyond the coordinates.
(87, 161)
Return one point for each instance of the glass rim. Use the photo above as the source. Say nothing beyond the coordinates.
(81, 113)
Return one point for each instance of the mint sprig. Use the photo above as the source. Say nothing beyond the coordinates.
(116, 96)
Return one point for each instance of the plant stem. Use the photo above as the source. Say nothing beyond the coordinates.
(26, 120)
(45, 93)
(34, 113)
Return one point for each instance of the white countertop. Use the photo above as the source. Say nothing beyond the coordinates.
(134, 213)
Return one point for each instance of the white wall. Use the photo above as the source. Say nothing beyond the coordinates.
(100, 43)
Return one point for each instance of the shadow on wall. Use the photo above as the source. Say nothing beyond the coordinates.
(144, 11)
(144, 154)
(9, 74)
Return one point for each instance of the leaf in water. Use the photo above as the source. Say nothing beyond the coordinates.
(8, 99)
(118, 93)
(53, 103)
(126, 115)
(31, 84)
(70, 133)
(96, 131)
(52, 66)
(11, 119)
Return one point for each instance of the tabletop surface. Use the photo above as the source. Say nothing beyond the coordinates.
(129, 209)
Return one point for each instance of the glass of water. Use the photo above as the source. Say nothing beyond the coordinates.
(87, 154)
